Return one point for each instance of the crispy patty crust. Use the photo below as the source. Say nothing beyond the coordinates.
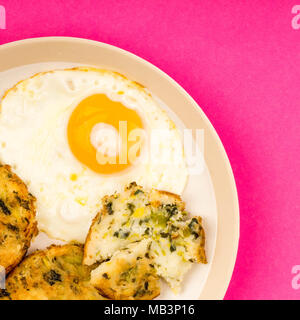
(56, 273)
(17, 218)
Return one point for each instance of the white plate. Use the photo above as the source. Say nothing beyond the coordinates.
(211, 194)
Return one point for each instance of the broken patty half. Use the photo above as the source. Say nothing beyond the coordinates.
(178, 241)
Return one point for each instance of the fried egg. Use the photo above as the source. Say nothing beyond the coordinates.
(76, 135)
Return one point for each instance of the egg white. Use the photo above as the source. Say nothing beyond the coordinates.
(33, 139)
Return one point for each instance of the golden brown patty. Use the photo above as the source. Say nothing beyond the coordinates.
(56, 273)
(17, 218)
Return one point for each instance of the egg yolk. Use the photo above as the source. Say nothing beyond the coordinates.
(95, 111)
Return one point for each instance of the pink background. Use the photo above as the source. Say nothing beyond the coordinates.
(240, 60)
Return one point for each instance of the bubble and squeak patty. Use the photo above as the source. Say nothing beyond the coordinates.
(56, 273)
(17, 218)
(137, 214)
